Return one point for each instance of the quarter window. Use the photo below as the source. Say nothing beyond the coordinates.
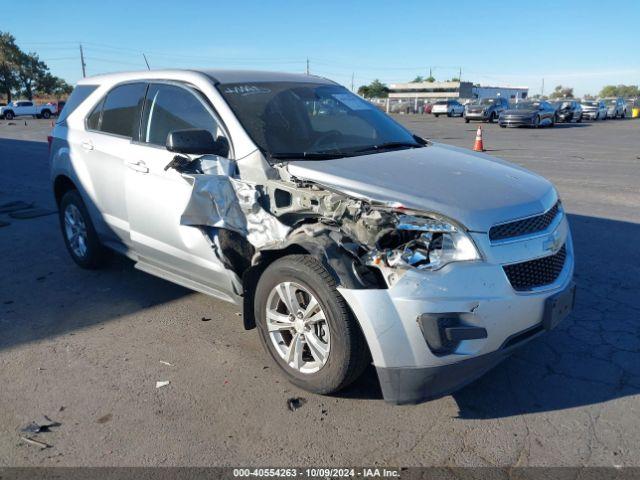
(169, 108)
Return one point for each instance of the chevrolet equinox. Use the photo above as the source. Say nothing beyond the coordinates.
(344, 238)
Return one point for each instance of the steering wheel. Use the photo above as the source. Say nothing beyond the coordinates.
(326, 139)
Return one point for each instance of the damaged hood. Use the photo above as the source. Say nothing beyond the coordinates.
(473, 189)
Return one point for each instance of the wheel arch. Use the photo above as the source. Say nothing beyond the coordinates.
(336, 259)
(61, 185)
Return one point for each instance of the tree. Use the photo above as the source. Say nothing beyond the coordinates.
(9, 60)
(375, 89)
(31, 71)
(418, 79)
(588, 96)
(455, 79)
(430, 79)
(562, 92)
(24, 73)
(626, 91)
(49, 84)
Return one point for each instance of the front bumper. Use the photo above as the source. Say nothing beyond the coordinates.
(478, 294)
(589, 114)
(514, 121)
(476, 115)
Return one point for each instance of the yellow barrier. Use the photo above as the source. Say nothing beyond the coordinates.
(635, 112)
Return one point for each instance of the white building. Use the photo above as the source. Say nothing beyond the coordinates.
(511, 93)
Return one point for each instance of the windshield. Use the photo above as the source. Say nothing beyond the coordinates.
(526, 105)
(308, 120)
(485, 101)
(591, 104)
(441, 102)
(612, 102)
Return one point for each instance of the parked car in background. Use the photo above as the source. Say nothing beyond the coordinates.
(594, 110)
(616, 107)
(528, 114)
(486, 109)
(25, 108)
(59, 107)
(317, 225)
(568, 111)
(450, 108)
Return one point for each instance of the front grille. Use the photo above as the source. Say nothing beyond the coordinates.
(525, 226)
(536, 273)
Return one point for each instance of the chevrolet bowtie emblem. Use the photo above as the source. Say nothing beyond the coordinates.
(552, 243)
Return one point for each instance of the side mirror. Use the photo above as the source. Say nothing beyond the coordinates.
(197, 141)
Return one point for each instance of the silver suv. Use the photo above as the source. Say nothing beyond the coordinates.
(345, 238)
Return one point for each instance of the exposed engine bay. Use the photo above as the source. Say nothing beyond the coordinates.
(372, 243)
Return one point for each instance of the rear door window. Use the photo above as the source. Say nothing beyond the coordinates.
(119, 112)
(171, 107)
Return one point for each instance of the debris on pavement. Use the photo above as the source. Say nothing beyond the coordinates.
(43, 424)
(295, 403)
(166, 363)
(104, 418)
(36, 443)
(163, 383)
(205, 319)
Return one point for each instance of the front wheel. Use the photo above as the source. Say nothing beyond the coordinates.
(9, 116)
(306, 326)
(437, 115)
(466, 120)
(46, 114)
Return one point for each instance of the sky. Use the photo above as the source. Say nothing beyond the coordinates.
(583, 44)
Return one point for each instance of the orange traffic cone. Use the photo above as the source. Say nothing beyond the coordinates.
(478, 146)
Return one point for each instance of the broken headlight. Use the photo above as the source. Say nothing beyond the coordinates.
(426, 243)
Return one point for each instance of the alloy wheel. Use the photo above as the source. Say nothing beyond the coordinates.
(75, 229)
(298, 327)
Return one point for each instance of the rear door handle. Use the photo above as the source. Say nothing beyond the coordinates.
(138, 166)
(87, 145)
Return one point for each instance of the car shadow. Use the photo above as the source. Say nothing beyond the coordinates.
(592, 357)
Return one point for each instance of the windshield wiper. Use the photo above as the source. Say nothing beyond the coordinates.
(388, 146)
(307, 156)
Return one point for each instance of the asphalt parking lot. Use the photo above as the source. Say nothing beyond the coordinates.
(87, 348)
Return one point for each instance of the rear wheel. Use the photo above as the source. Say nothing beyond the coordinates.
(9, 116)
(78, 232)
(306, 326)
(466, 120)
(46, 114)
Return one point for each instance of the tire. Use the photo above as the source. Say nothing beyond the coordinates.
(579, 119)
(503, 126)
(347, 355)
(450, 114)
(492, 118)
(437, 115)
(94, 255)
(536, 124)
(46, 114)
(553, 121)
(9, 115)
(466, 120)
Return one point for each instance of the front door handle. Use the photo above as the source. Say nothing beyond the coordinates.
(87, 145)
(138, 166)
